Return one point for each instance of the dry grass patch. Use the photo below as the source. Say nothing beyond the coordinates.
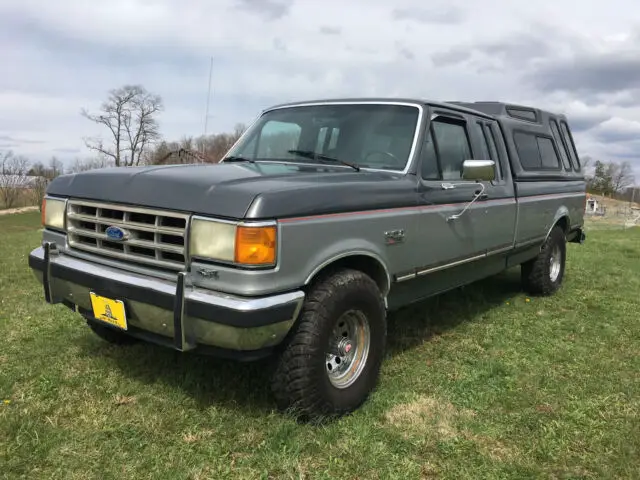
(425, 415)
(432, 418)
(194, 437)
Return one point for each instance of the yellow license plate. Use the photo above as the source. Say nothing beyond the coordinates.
(109, 311)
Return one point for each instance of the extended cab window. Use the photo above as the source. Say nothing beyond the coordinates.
(446, 148)
(536, 152)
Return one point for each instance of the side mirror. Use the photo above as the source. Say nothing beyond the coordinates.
(479, 170)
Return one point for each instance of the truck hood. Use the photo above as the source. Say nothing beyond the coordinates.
(239, 190)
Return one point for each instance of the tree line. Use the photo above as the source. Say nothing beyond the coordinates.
(612, 179)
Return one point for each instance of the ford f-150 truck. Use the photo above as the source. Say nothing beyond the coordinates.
(322, 218)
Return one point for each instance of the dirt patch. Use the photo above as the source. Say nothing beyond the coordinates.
(9, 211)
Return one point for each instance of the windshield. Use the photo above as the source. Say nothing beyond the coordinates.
(367, 135)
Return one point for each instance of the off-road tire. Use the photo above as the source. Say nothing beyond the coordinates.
(111, 335)
(301, 384)
(536, 273)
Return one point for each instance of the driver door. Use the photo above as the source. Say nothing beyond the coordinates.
(462, 243)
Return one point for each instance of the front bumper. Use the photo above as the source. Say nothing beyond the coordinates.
(173, 314)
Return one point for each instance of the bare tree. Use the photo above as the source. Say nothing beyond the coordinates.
(39, 189)
(621, 176)
(56, 167)
(13, 178)
(129, 115)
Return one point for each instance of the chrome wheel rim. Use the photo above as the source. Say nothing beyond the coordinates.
(348, 349)
(555, 263)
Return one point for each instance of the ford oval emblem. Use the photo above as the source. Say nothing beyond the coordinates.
(116, 233)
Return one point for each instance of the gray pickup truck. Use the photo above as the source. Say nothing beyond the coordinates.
(323, 217)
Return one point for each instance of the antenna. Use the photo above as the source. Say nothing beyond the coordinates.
(206, 115)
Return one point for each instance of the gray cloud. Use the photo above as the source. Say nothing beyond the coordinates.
(453, 56)
(269, 9)
(595, 74)
(9, 138)
(328, 30)
(511, 51)
(518, 49)
(279, 44)
(405, 52)
(66, 150)
(444, 14)
(9, 146)
(584, 121)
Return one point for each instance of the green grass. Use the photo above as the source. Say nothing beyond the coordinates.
(483, 382)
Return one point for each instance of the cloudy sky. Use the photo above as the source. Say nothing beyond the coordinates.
(578, 57)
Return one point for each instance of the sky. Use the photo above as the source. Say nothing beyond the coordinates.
(578, 58)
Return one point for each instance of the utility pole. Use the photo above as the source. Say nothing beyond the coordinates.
(206, 115)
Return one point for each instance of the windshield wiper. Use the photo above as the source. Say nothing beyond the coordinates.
(314, 156)
(234, 158)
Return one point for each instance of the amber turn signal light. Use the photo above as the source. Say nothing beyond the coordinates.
(42, 211)
(255, 245)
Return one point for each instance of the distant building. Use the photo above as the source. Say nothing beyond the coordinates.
(184, 155)
(18, 181)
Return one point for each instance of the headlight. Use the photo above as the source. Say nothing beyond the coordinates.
(244, 244)
(53, 210)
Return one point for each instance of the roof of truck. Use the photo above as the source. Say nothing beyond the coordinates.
(492, 109)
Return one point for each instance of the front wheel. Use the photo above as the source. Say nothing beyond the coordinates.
(544, 274)
(331, 360)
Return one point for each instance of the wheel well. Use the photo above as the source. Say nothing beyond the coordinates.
(563, 222)
(363, 263)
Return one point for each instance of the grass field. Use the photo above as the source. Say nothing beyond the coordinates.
(483, 382)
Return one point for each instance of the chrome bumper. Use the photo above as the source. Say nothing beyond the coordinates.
(174, 314)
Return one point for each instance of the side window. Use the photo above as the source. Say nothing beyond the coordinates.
(536, 152)
(527, 150)
(570, 145)
(429, 159)
(548, 153)
(564, 154)
(452, 144)
(484, 145)
(493, 146)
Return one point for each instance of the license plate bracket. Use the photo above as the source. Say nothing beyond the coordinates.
(109, 311)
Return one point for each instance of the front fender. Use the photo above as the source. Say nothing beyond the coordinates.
(342, 249)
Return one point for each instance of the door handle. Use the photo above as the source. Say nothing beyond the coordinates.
(480, 195)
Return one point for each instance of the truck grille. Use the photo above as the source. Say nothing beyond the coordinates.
(153, 237)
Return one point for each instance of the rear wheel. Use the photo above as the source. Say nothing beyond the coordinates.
(544, 274)
(331, 360)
